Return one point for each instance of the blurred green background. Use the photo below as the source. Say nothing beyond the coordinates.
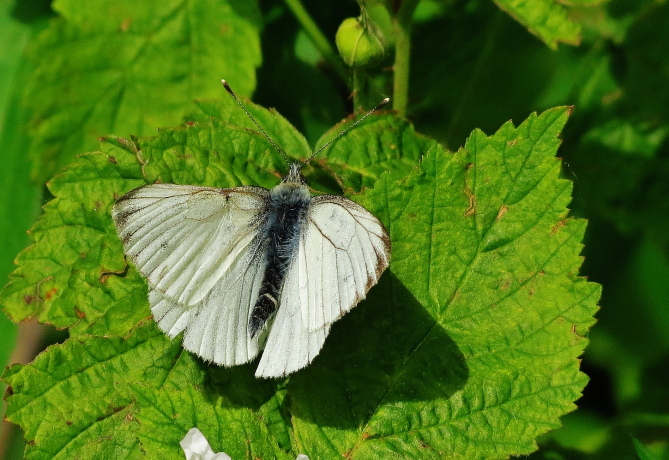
(472, 66)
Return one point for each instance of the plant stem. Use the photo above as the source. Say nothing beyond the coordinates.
(359, 90)
(402, 25)
(318, 38)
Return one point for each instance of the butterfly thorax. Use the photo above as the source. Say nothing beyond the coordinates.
(285, 218)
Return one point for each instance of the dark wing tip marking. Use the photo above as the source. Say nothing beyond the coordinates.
(131, 194)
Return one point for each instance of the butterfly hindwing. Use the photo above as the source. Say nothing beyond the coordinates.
(291, 345)
(222, 329)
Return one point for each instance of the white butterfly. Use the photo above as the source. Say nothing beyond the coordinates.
(246, 268)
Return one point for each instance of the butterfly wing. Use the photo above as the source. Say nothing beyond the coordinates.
(342, 252)
(291, 345)
(183, 238)
(199, 250)
(217, 328)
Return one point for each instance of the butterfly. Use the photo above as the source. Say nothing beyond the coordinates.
(245, 269)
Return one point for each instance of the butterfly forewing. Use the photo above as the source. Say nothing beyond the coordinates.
(184, 238)
(199, 249)
(343, 251)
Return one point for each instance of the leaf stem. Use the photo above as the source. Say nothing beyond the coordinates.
(358, 88)
(318, 38)
(402, 23)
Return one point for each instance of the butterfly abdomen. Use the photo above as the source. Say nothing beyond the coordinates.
(287, 209)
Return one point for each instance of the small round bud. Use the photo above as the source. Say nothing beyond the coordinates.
(358, 45)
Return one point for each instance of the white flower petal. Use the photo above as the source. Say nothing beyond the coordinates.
(196, 447)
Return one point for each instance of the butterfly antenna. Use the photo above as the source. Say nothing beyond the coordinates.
(378, 107)
(232, 93)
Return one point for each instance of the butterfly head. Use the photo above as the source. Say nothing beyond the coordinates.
(294, 175)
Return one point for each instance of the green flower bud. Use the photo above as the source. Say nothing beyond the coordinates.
(358, 45)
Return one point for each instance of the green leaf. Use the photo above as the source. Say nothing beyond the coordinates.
(644, 452)
(468, 347)
(582, 2)
(472, 351)
(71, 275)
(624, 177)
(353, 158)
(74, 401)
(291, 141)
(242, 432)
(132, 66)
(20, 199)
(546, 19)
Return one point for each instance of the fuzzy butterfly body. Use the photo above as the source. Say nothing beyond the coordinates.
(244, 269)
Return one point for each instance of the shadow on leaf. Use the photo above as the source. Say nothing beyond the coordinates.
(387, 351)
(238, 385)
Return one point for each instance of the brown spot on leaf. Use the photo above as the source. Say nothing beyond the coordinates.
(80, 314)
(471, 209)
(558, 226)
(112, 159)
(105, 274)
(125, 25)
(455, 295)
(512, 142)
(28, 299)
(502, 211)
(50, 293)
